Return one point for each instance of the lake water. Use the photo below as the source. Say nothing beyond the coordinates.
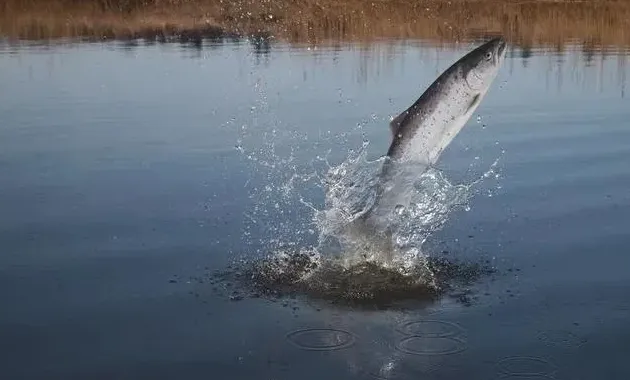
(130, 173)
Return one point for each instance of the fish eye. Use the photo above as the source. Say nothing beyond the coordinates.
(488, 55)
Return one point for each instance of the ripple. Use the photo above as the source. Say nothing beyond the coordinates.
(321, 339)
(431, 329)
(417, 345)
(526, 366)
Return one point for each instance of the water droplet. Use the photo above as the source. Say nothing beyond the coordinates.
(399, 209)
(478, 119)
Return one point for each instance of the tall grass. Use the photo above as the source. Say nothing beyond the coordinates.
(526, 23)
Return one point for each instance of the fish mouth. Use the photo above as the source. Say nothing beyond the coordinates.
(501, 45)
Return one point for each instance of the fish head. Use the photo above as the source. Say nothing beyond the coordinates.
(482, 64)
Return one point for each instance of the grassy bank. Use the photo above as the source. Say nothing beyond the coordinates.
(526, 23)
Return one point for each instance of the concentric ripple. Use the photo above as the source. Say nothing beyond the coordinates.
(431, 329)
(417, 345)
(526, 366)
(321, 339)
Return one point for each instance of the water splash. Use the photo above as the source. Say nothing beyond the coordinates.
(306, 213)
(423, 200)
(341, 261)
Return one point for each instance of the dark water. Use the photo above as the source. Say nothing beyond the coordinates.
(129, 173)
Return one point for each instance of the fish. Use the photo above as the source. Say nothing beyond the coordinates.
(421, 133)
(426, 128)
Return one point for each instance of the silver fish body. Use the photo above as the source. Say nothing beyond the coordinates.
(422, 132)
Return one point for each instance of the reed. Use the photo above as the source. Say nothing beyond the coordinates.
(524, 23)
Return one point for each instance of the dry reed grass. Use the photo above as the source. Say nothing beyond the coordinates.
(524, 23)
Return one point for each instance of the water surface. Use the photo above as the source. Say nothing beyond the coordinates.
(129, 172)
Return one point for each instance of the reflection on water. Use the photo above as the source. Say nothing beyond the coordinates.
(376, 59)
(124, 172)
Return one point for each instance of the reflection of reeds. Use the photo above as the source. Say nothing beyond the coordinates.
(526, 23)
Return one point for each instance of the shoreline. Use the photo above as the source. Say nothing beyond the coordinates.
(524, 24)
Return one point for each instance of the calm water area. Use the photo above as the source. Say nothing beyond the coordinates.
(130, 171)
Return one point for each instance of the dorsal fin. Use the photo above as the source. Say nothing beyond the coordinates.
(397, 121)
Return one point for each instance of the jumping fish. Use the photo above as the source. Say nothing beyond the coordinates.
(422, 132)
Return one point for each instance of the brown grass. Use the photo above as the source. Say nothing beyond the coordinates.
(525, 23)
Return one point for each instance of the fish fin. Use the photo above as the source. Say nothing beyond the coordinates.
(394, 125)
(474, 102)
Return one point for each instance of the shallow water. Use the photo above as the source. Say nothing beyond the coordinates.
(129, 174)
